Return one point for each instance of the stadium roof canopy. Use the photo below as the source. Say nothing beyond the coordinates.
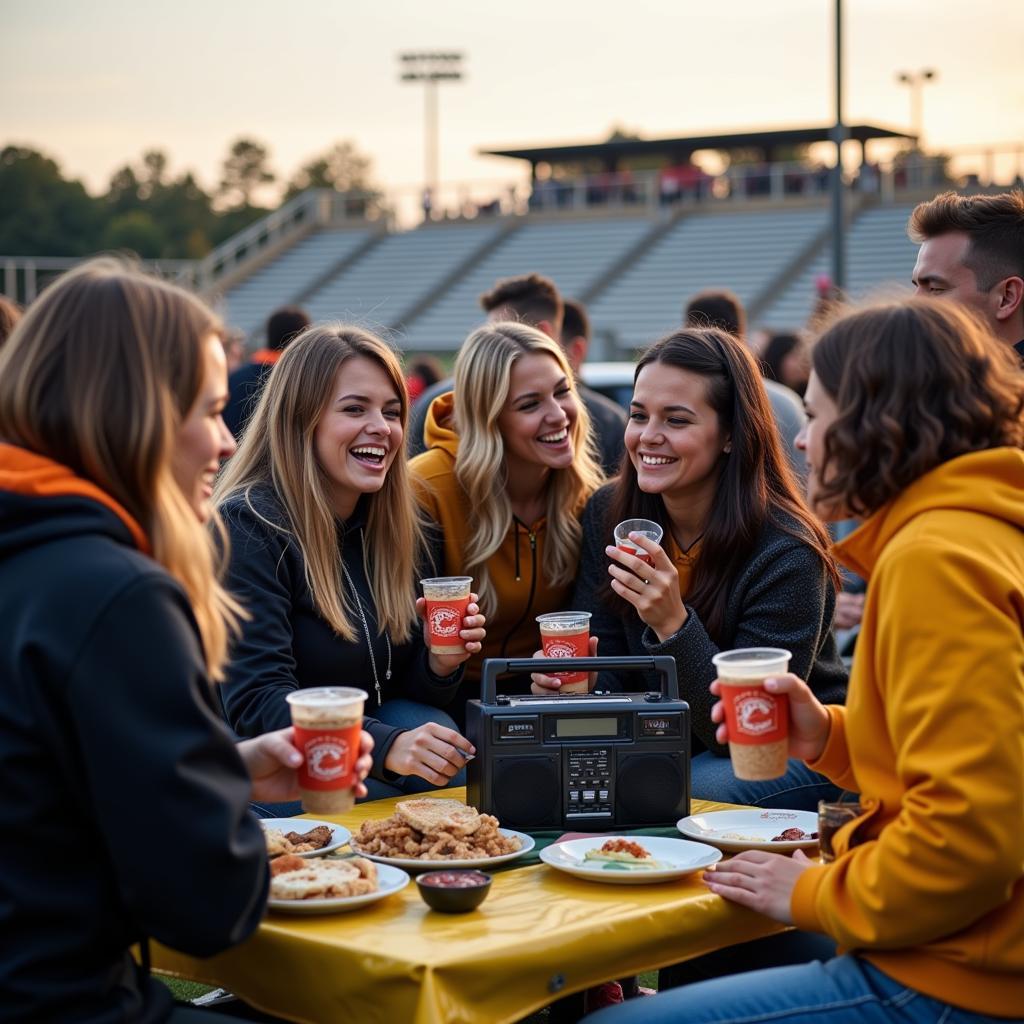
(679, 150)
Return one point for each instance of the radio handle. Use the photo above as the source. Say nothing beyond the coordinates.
(662, 664)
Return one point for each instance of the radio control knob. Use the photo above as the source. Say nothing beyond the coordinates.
(653, 696)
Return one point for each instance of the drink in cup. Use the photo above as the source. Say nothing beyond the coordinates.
(757, 721)
(327, 721)
(646, 528)
(447, 598)
(831, 818)
(567, 635)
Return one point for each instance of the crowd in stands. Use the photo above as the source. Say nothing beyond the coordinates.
(181, 549)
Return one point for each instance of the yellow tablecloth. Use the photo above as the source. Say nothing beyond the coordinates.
(539, 935)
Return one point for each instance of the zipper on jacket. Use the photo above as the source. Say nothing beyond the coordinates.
(533, 584)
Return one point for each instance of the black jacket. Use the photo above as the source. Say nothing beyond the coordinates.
(286, 645)
(124, 807)
(781, 598)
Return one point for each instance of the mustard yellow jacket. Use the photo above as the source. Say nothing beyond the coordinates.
(929, 881)
(516, 568)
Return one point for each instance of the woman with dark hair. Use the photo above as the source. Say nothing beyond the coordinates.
(743, 561)
(785, 359)
(915, 426)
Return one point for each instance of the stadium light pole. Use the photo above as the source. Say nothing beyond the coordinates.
(838, 137)
(430, 67)
(915, 81)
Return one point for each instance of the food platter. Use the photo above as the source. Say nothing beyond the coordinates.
(389, 881)
(680, 857)
(418, 864)
(339, 834)
(751, 829)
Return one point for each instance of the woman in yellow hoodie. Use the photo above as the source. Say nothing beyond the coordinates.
(509, 466)
(916, 428)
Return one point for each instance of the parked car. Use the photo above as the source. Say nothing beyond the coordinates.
(615, 380)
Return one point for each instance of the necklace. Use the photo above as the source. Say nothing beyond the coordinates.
(366, 627)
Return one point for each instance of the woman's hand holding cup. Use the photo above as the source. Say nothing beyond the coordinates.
(471, 635)
(809, 722)
(541, 684)
(649, 582)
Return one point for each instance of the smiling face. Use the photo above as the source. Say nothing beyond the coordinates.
(360, 432)
(674, 437)
(203, 440)
(821, 414)
(540, 412)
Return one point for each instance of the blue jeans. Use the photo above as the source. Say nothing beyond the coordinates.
(800, 789)
(404, 714)
(847, 990)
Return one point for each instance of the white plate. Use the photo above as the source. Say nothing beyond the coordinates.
(339, 834)
(720, 828)
(681, 856)
(417, 865)
(389, 881)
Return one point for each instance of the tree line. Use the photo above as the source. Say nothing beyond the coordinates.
(149, 211)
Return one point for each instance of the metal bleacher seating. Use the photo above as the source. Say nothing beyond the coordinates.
(397, 274)
(879, 257)
(285, 278)
(741, 251)
(574, 253)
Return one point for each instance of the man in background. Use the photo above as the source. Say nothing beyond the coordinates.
(972, 251)
(246, 383)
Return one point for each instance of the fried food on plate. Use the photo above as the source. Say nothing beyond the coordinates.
(280, 843)
(623, 854)
(434, 829)
(293, 878)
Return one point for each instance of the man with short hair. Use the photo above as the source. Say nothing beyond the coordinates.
(534, 300)
(722, 309)
(246, 383)
(608, 417)
(972, 251)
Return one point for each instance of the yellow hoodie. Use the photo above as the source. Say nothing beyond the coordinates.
(928, 884)
(522, 590)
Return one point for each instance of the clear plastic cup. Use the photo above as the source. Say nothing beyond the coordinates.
(831, 818)
(447, 598)
(646, 528)
(567, 635)
(757, 721)
(327, 721)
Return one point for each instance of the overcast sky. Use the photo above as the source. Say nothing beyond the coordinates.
(95, 83)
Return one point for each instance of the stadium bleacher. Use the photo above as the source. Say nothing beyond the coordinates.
(879, 256)
(285, 279)
(742, 251)
(421, 286)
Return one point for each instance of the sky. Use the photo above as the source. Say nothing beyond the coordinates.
(94, 84)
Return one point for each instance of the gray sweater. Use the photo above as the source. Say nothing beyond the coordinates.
(782, 597)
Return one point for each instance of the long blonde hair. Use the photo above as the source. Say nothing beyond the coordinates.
(98, 376)
(483, 373)
(278, 450)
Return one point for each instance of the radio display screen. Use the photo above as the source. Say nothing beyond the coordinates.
(567, 728)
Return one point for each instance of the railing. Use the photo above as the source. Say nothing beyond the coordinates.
(306, 211)
(25, 276)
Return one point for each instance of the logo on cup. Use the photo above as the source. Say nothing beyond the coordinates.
(560, 649)
(325, 758)
(445, 622)
(756, 714)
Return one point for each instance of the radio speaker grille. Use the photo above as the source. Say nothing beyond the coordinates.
(526, 792)
(651, 789)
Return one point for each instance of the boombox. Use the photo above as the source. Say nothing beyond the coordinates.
(583, 762)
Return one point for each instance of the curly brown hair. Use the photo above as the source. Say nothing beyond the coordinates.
(916, 383)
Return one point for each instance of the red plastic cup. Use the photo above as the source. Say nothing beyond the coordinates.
(757, 721)
(327, 721)
(447, 598)
(567, 635)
